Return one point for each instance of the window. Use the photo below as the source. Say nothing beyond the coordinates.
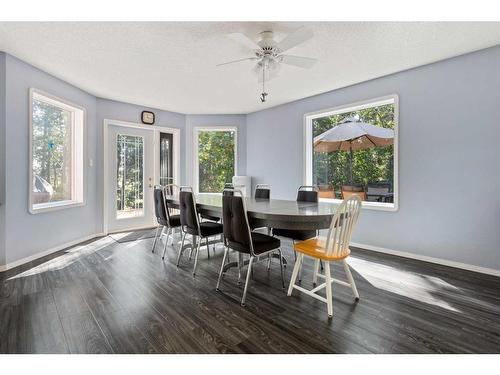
(56, 153)
(215, 158)
(354, 149)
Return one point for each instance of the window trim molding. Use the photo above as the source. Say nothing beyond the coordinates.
(77, 157)
(196, 131)
(368, 103)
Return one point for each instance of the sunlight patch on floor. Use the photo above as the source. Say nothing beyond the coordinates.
(66, 259)
(404, 283)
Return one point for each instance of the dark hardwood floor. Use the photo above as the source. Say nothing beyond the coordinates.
(110, 297)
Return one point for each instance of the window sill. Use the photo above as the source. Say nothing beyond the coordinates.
(391, 207)
(54, 206)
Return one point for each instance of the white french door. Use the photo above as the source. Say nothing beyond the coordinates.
(131, 176)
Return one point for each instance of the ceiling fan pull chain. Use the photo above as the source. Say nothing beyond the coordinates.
(264, 93)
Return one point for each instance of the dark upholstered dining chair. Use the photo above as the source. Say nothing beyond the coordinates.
(262, 191)
(190, 224)
(304, 194)
(163, 217)
(239, 237)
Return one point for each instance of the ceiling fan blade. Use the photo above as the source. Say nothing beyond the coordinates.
(298, 36)
(301, 62)
(243, 40)
(236, 61)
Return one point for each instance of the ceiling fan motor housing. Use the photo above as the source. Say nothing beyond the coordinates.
(267, 42)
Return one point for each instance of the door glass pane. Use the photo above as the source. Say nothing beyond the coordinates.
(130, 176)
(216, 160)
(166, 174)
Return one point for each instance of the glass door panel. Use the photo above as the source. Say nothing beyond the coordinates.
(130, 176)
(166, 159)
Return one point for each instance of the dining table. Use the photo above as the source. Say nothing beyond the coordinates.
(267, 213)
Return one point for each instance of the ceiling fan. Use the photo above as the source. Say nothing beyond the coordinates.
(269, 55)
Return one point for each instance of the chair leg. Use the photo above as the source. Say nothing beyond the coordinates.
(226, 250)
(329, 297)
(295, 273)
(315, 271)
(172, 237)
(169, 230)
(181, 249)
(300, 270)
(249, 271)
(208, 248)
(240, 264)
(269, 257)
(351, 280)
(196, 256)
(321, 264)
(156, 237)
(281, 269)
(194, 240)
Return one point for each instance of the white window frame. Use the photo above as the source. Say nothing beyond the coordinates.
(308, 145)
(78, 151)
(196, 167)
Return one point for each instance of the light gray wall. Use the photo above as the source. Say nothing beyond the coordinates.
(449, 180)
(193, 121)
(2, 158)
(27, 234)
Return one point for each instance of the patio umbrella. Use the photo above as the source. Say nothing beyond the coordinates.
(353, 134)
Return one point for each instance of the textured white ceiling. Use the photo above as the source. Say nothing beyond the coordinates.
(171, 65)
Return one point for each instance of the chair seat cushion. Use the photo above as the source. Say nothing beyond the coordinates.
(175, 221)
(210, 217)
(316, 248)
(209, 228)
(295, 234)
(261, 244)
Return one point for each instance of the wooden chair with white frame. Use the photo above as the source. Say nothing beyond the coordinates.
(333, 248)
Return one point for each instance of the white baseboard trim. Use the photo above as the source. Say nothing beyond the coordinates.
(41, 254)
(443, 262)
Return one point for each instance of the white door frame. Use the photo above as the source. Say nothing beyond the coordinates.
(156, 170)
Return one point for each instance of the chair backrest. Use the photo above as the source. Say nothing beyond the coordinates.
(236, 228)
(353, 187)
(262, 191)
(171, 189)
(343, 223)
(353, 190)
(189, 214)
(379, 187)
(161, 211)
(307, 194)
(348, 194)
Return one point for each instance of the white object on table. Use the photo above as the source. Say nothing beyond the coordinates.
(243, 183)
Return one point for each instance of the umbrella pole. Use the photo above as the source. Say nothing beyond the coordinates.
(350, 162)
